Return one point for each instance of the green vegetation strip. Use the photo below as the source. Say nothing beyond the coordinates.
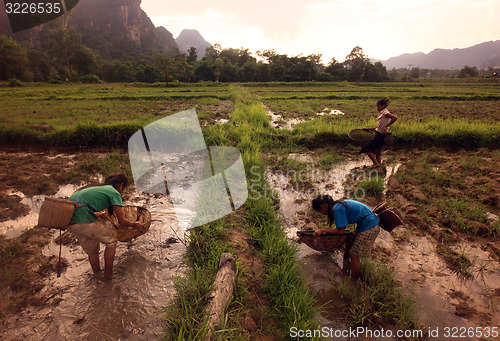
(430, 113)
(186, 316)
(283, 283)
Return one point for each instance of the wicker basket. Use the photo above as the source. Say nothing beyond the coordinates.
(389, 217)
(325, 242)
(133, 213)
(56, 213)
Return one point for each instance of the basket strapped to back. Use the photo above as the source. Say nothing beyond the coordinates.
(56, 213)
(389, 217)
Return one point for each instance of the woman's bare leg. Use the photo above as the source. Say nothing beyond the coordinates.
(372, 157)
(94, 262)
(355, 266)
(109, 259)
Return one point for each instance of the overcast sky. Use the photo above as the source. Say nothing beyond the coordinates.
(383, 28)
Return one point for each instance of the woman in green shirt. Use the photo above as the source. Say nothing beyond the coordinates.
(87, 228)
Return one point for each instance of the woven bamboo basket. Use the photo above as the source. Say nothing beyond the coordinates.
(56, 213)
(389, 217)
(133, 213)
(324, 242)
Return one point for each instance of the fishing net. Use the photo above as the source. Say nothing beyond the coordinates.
(324, 242)
(133, 213)
(361, 135)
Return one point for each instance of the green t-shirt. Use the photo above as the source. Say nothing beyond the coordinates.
(93, 199)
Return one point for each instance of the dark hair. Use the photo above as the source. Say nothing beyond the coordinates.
(384, 102)
(320, 200)
(114, 180)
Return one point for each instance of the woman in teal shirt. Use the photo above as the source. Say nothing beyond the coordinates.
(87, 228)
(345, 212)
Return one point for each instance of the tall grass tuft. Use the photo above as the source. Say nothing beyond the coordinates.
(374, 186)
(378, 298)
(185, 316)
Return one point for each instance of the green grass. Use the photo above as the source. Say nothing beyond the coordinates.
(458, 114)
(378, 299)
(115, 161)
(458, 262)
(374, 186)
(186, 316)
(326, 161)
(98, 114)
(284, 283)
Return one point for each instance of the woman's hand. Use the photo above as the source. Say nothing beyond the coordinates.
(138, 225)
(319, 232)
(100, 214)
(118, 210)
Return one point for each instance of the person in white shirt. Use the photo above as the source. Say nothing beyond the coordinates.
(384, 120)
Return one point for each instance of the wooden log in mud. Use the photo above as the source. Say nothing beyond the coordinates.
(221, 293)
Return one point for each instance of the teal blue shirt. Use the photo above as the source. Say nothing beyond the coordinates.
(93, 199)
(356, 213)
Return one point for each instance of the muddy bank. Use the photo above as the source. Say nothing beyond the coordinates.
(45, 172)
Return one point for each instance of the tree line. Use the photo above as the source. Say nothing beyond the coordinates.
(66, 58)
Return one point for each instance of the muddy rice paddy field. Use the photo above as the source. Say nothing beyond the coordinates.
(438, 274)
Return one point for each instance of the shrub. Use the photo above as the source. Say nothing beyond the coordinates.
(28, 76)
(14, 82)
(90, 79)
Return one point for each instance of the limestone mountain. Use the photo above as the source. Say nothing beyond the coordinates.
(117, 29)
(482, 55)
(192, 38)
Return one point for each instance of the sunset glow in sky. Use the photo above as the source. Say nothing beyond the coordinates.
(383, 28)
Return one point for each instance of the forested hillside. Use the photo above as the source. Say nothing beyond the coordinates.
(115, 41)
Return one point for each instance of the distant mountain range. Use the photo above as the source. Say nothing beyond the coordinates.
(120, 29)
(482, 55)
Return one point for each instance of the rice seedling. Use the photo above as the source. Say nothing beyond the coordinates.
(374, 186)
(327, 160)
(378, 297)
(458, 262)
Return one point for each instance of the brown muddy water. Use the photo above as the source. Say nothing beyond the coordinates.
(279, 122)
(83, 306)
(444, 301)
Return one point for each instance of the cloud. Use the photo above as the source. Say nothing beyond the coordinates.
(382, 28)
(276, 20)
